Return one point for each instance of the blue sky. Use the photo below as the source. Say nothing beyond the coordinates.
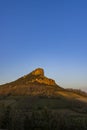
(51, 34)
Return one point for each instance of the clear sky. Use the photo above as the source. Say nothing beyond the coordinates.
(51, 34)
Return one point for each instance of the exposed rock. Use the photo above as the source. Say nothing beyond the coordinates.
(38, 71)
(44, 80)
(41, 78)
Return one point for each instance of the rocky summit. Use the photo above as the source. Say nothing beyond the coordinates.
(40, 78)
(38, 71)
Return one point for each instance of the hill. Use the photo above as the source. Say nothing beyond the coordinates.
(35, 102)
(35, 83)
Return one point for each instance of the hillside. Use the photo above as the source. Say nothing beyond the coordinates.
(35, 102)
(36, 83)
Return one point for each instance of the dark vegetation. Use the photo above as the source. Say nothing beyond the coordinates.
(42, 113)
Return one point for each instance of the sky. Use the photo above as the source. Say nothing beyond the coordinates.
(50, 34)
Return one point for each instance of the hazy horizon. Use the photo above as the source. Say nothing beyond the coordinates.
(47, 34)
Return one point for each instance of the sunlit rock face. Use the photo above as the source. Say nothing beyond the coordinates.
(38, 71)
(41, 78)
(45, 81)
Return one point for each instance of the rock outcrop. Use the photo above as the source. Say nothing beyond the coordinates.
(39, 72)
